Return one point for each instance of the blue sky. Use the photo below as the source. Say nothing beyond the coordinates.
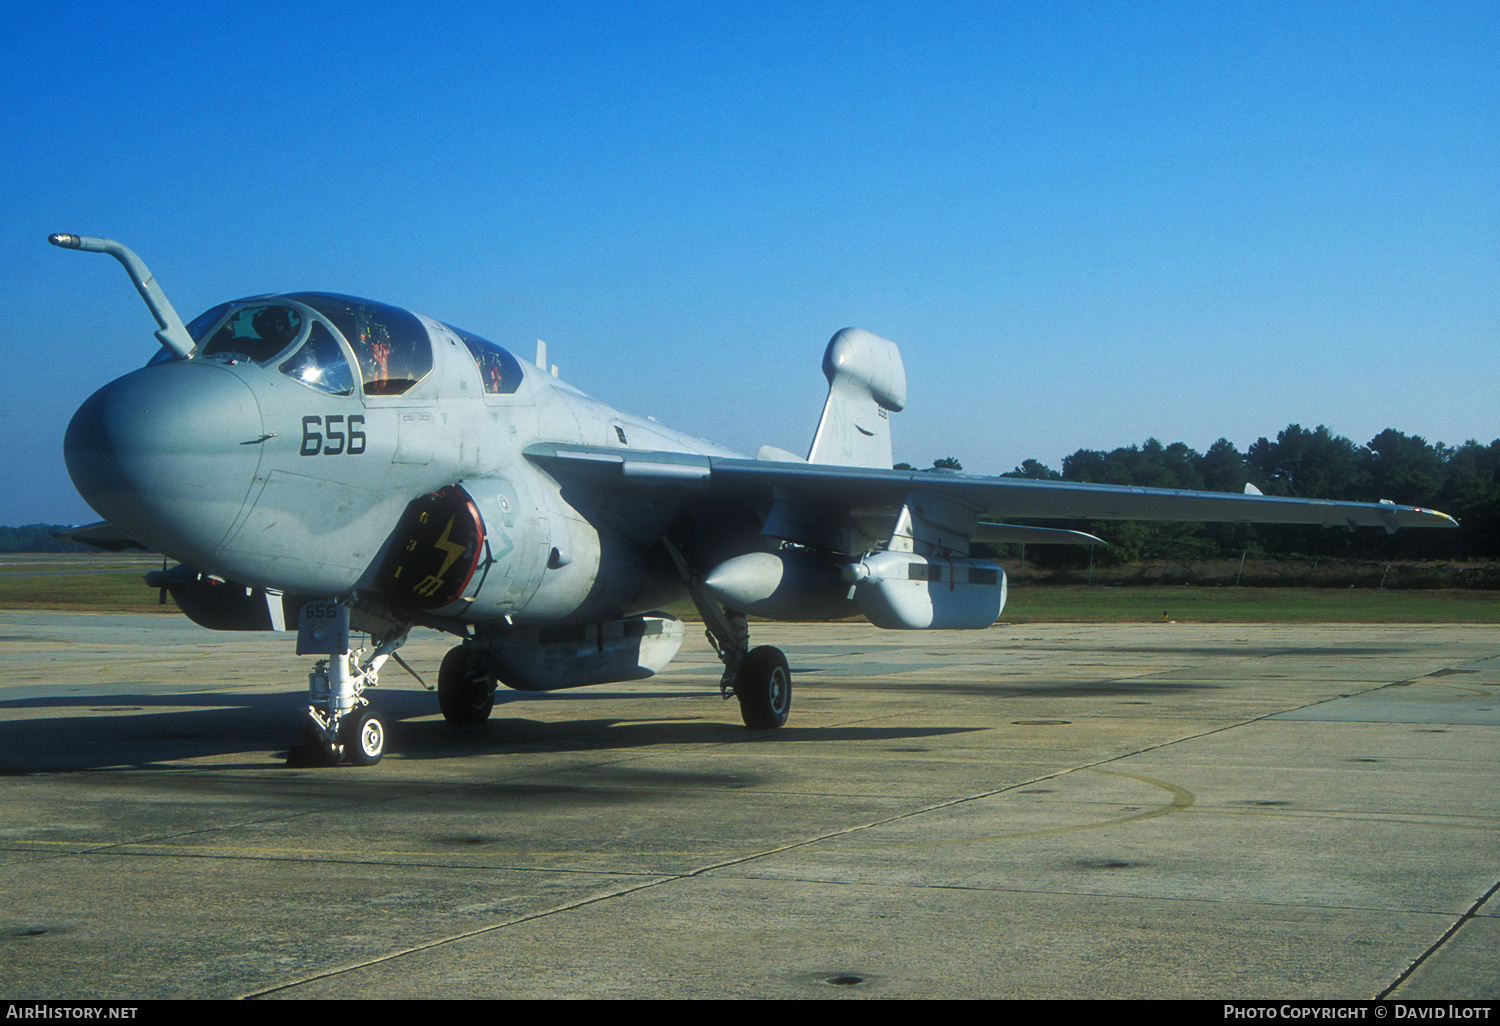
(1084, 224)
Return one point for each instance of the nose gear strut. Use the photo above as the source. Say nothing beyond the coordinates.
(340, 724)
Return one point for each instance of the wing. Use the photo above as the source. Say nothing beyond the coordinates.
(102, 535)
(852, 492)
(1058, 500)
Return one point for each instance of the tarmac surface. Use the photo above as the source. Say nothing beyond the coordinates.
(1136, 811)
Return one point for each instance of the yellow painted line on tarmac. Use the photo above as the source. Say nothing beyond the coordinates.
(1336, 817)
(1181, 799)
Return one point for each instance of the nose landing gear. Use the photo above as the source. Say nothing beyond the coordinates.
(340, 725)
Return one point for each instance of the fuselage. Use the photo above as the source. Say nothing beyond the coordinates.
(284, 452)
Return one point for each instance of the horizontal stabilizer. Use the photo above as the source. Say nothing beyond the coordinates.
(1015, 534)
(774, 455)
(102, 535)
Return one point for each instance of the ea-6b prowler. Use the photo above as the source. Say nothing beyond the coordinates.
(342, 465)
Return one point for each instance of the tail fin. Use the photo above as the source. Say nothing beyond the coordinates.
(866, 383)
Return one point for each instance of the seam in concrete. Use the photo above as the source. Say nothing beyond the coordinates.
(1447, 935)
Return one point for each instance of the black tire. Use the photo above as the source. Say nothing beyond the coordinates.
(764, 688)
(364, 738)
(312, 752)
(464, 697)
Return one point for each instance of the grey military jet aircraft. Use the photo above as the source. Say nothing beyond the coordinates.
(344, 465)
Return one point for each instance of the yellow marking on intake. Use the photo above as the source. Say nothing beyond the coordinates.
(453, 549)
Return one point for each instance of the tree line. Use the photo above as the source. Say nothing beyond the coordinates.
(1463, 481)
(37, 538)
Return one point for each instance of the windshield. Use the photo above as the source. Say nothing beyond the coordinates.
(198, 326)
(255, 332)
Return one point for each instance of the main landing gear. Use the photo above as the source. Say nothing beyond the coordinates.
(466, 691)
(764, 687)
(758, 677)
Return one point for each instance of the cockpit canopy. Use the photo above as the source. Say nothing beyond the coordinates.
(390, 344)
(300, 335)
(499, 371)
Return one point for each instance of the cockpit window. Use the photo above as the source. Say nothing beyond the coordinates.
(198, 326)
(498, 369)
(391, 345)
(255, 332)
(320, 363)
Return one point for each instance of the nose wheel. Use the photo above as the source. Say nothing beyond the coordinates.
(364, 738)
(358, 738)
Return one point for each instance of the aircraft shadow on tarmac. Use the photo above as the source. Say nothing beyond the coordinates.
(154, 730)
(1063, 689)
(1268, 651)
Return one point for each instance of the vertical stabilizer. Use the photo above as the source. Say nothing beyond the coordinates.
(866, 383)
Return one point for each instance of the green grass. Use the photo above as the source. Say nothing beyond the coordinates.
(118, 591)
(1187, 604)
(106, 583)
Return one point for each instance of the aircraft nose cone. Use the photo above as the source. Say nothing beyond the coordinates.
(168, 454)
